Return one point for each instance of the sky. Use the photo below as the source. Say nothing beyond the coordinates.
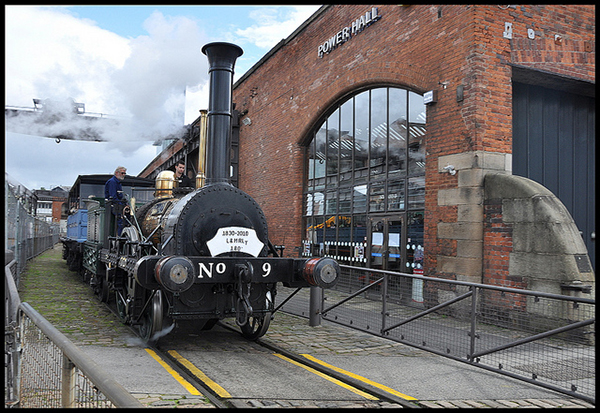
(141, 67)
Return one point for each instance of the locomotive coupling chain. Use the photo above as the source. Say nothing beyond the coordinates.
(243, 309)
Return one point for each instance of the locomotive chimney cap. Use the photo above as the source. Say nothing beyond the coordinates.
(226, 51)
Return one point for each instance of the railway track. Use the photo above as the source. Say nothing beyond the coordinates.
(234, 372)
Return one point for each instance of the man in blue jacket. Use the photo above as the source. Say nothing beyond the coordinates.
(113, 193)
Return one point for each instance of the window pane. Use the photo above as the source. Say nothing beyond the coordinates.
(345, 201)
(396, 195)
(416, 150)
(319, 171)
(318, 204)
(377, 197)
(361, 130)
(310, 168)
(346, 137)
(415, 251)
(378, 130)
(360, 198)
(416, 143)
(398, 131)
(330, 235)
(359, 238)
(417, 108)
(333, 142)
(416, 192)
(331, 203)
(309, 204)
(319, 235)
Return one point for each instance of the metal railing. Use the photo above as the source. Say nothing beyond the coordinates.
(541, 338)
(24, 234)
(44, 369)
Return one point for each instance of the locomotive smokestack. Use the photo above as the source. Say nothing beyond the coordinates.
(221, 60)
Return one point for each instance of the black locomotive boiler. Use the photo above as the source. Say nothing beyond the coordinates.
(203, 255)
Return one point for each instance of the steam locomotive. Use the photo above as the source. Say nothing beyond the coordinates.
(201, 255)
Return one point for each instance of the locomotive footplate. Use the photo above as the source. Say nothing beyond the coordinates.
(178, 273)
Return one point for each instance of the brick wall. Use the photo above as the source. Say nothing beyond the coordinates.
(419, 47)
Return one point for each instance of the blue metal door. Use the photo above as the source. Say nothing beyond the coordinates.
(554, 144)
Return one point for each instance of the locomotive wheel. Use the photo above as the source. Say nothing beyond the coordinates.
(152, 319)
(132, 235)
(121, 306)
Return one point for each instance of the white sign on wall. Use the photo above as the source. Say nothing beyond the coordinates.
(347, 32)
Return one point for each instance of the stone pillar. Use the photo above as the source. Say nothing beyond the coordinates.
(468, 196)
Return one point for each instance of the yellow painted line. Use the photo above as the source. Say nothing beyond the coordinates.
(220, 391)
(357, 377)
(173, 373)
(331, 379)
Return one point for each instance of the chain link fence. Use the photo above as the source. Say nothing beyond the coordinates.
(42, 368)
(24, 234)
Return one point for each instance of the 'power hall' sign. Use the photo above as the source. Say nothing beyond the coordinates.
(347, 32)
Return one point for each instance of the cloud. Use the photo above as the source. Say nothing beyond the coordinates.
(274, 24)
(154, 78)
(65, 57)
(151, 84)
(142, 80)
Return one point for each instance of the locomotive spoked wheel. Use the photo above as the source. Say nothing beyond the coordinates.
(121, 306)
(152, 319)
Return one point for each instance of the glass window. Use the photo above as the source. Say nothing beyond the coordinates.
(346, 138)
(360, 198)
(395, 195)
(308, 202)
(319, 159)
(345, 201)
(333, 143)
(398, 131)
(361, 131)
(367, 157)
(318, 203)
(331, 203)
(416, 140)
(378, 130)
(377, 197)
(416, 192)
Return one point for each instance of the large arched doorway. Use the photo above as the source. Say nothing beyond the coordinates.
(364, 187)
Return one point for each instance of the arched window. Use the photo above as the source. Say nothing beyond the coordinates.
(365, 160)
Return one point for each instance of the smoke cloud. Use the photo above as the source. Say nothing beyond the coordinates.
(133, 88)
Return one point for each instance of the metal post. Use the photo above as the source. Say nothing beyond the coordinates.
(315, 306)
(67, 391)
(473, 332)
(384, 296)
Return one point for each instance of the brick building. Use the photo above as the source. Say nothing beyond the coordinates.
(453, 140)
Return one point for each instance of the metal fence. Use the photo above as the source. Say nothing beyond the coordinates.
(24, 234)
(544, 339)
(44, 369)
